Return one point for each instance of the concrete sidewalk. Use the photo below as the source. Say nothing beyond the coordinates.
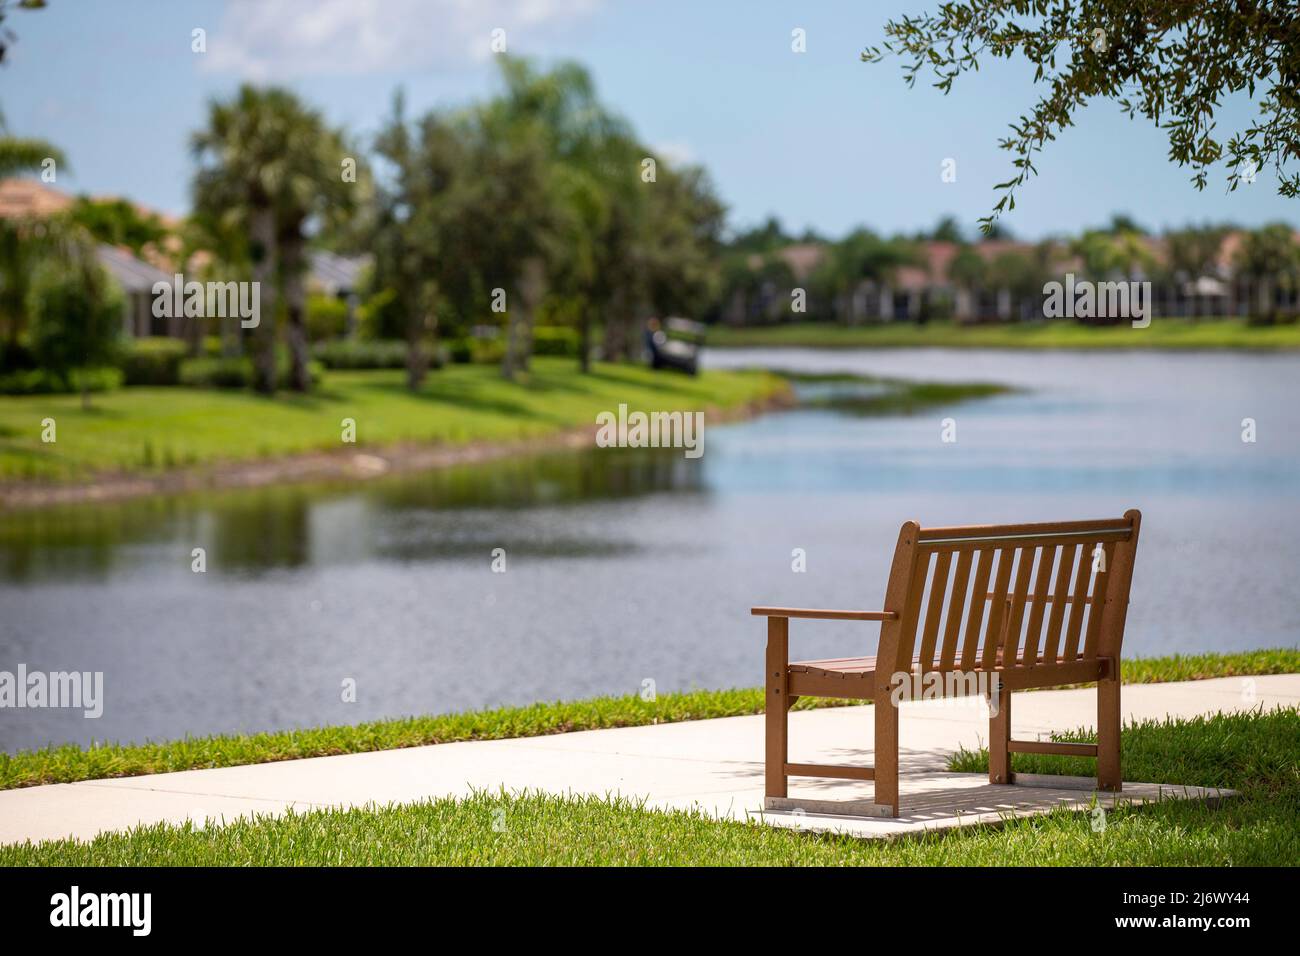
(716, 765)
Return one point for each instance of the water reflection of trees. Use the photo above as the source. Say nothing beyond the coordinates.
(295, 526)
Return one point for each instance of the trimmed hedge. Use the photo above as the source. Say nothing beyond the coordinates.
(39, 381)
(360, 354)
(371, 354)
(327, 316)
(235, 372)
(153, 361)
(477, 351)
(556, 340)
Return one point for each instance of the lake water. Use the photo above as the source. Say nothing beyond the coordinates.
(626, 566)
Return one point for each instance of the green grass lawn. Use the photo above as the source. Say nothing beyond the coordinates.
(1257, 754)
(70, 763)
(148, 429)
(1161, 334)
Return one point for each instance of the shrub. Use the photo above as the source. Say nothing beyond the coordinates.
(346, 353)
(75, 314)
(327, 316)
(488, 351)
(380, 316)
(363, 354)
(216, 372)
(39, 381)
(236, 372)
(15, 356)
(153, 361)
(555, 340)
(460, 351)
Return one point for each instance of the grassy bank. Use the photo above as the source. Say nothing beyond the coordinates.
(67, 764)
(146, 430)
(873, 395)
(1256, 754)
(1161, 334)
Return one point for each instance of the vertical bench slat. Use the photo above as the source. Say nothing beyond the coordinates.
(1062, 590)
(938, 590)
(975, 617)
(955, 608)
(912, 613)
(1016, 615)
(1099, 581)
(1006, 557)
(1080, 603)
(1042, 597)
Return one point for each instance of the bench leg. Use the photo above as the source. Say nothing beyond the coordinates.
(777, 710)
(1109, 776)
(886, 747)
(999, 736)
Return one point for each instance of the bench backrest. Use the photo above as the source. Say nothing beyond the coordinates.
(990, 596)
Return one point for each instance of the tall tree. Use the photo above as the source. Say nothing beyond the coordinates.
(1269, 259)
(421, 203)
(583, 187)
(1170, 62)
(1190, 254)
(23, 243)
(117, 222)
(6, 34)
(969, 273)
(216, 245)
(859, 257)
(76, 312)
(685, 220)
(1112, 252)
(314, 190)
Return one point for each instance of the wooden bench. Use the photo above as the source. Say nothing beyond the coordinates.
(1017, 606)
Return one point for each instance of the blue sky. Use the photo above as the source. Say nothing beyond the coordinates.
(819, 139)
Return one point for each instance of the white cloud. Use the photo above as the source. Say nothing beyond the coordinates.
(676, 153)
(260, 40)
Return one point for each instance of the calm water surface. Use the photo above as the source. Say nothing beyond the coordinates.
(623, 566)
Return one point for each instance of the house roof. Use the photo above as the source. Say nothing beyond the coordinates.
(334, 274)
(30, 199)
(132, 274)
(803, 257)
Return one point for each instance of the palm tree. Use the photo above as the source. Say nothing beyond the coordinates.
(270, 164)
(314, 189)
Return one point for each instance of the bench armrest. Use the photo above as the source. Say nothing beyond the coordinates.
(824, 615)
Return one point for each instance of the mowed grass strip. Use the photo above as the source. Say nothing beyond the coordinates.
(141, 430)
(1257, 754)
(1160, 334)
(70, 763)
